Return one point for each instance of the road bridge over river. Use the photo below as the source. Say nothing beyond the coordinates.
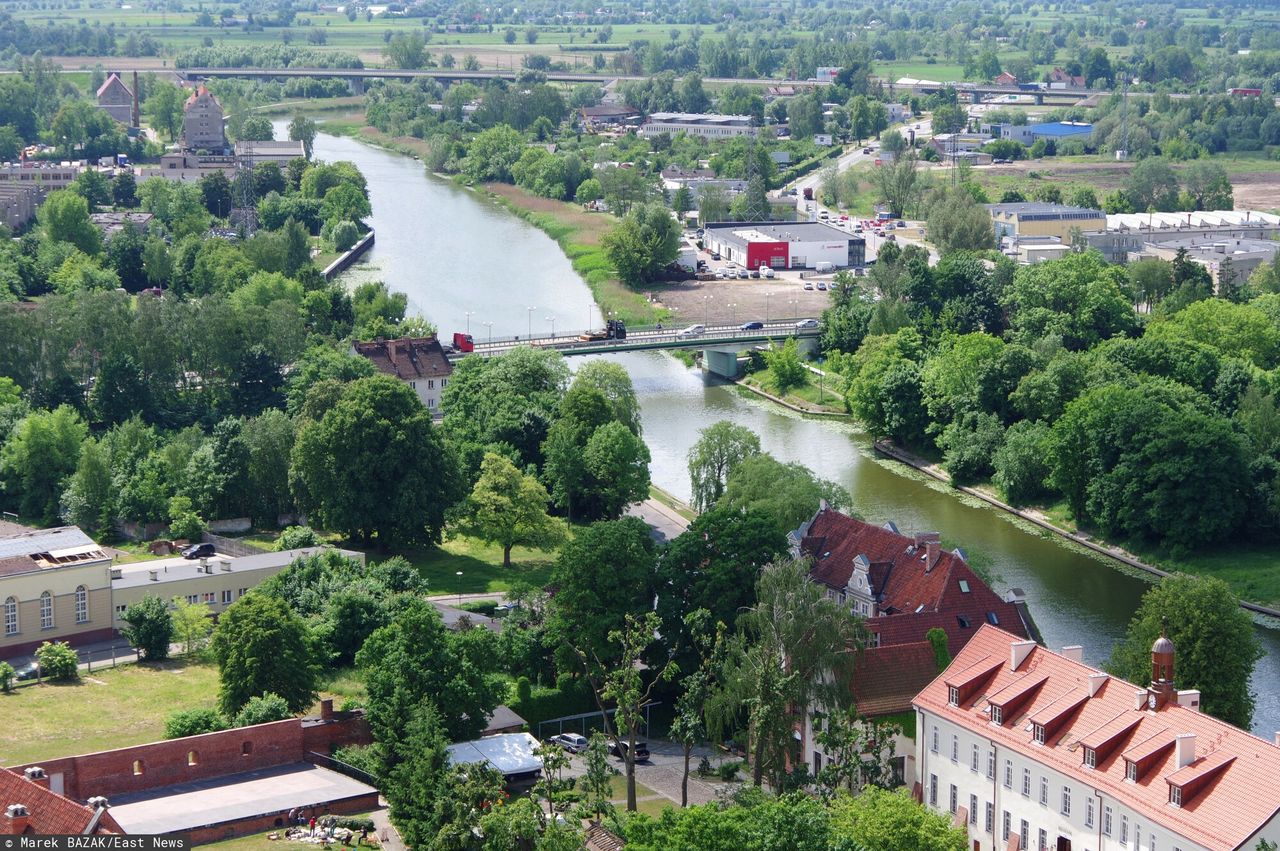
(720, 343)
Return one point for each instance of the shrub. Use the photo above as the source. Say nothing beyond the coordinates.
(184, 522)
(363, 757)
(297, 537)
(344, 235)
(6, 676)
(149, 628)
(356, 824)
(263, 709)
(58, 661)
(524, 690)
(193, 722)
(727, 771)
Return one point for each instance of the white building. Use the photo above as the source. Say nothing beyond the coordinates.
(419, 362)
(784, 245)
(1035, 749)
(280, 151)
(707, 125)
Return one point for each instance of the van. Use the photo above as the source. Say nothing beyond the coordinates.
(824, 266)
(692, 331)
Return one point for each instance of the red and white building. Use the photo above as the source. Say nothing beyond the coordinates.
(784, 245)
(1031, 748)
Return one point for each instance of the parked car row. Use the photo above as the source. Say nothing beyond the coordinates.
(576, 743)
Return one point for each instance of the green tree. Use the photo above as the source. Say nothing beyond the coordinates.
(720, 448)
(216, 190)
(193, 722)
(957, 222)
(1152, 185)
(64, 216)
(38, 456)
(89, 499)
(92, 185)
(1078, 298)
(375, 465)
(58, 661)
(617, 464)
(345, 202)
(786, 367)
(255, 128)
(788, 494)
(900, 184)
(644, 242)
(1214, 638)
(1022, 462)
(124, 190)
(192, 623)
(164, 105)
(303, 129)
(682, 201)
(492, 153)
(261, 646)
(263, 709)
(149, 628)
(509, 508)
(878, 818)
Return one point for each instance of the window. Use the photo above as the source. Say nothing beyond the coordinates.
(193, 758)
(431, 403)
(1152, 846)
(1090, 758)
(1106, 821)
(138, 767)
(241, 592)
(209, 597)
(1088, 812)
(1066, 800)
(1008, 773)
(1124, 830)
(82, 604)
(1175, 795)
(973, 759)
(991, 817)
(246, 748)
(1131, 771)
(1005, 835)
(1044, 791)
(1044, 839)
(953, 695)
(991, 764)
(953, 801)
(997, 715)
(1024, 834)
(955, 748)
(973, 809)
(226, 596)
(11, 616)
(933, 746)
(1026, 782)
(817, 763)
(431, 384)
(193, 598)
(933, 790)
(1038, 732)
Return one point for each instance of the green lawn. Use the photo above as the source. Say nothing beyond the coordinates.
(107, 709)
(479, 564)
(260, 842)
(814, 393)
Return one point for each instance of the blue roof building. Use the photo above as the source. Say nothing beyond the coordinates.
(1060, 129)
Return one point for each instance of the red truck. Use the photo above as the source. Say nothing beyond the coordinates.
(808, 193)
(463, 342)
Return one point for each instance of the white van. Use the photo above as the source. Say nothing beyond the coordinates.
(766, 272)
(824, 266)
(692, 331)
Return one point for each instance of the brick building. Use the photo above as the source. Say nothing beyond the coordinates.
(28, 807)
(419, 362)
(116, 99)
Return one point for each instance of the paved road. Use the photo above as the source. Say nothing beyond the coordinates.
(666, 523)
(663, 770)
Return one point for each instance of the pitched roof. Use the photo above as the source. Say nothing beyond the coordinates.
(886, 678)
(408, 358)
(1221, 806)
(112, 80)
(48, 812)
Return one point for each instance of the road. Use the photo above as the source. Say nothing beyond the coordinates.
(652, 338)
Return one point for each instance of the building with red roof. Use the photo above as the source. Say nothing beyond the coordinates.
(202, 122)
(28, 807)
(1029, 748)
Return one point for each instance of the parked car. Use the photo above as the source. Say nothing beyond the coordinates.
(26, 672)
(199, 551)
(572, 742)
(715, 255)
(742, 273)
(751, 326)
(808, 285)
(822, 286)
(806, 323)
(866, 150)
(619, 748)
(691, 331)
(766, 272)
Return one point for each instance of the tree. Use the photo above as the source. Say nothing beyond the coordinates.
(1214, 639)
(688, 728)
(184, 522)
(617, 464)
(900, 184)
(1207, 184)
(124, 190)
(89, 499)
(149, 628)
(509, 508)
(614, 383)
(64, 216)
(1152, 185)
(878, 818)
(788, 493)
(1078, 298)
(345, 202)
(720, 448)
(644, 242)
(164, 105)
(216, 190)
(93, 186)
(597, 782)
(406, 50)
(192, 623)
(492, 153)
(261, 646)
(1022, 462)
(957, 222)
(263, 709)
(255, 128)
(38, 456)
(374, 465)
(304, 129)
(785, 366)
(58, 661)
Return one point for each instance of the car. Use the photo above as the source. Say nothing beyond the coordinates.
(806, 323)
(750, 326)
(900, 224)
(879, 231)
(766, 272)
(572, 742)
(824, 215)
(722, 273)
(866, 150)
(822, 285)
(742, 273)
(619, 748)
(29, 671)
(857, 228)
(844, 218)
(890, 238)
(691, 331)
(808, 285)
(755, 273)
(715, 255)
(199, 551)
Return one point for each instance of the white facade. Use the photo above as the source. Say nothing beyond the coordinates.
(707, 125)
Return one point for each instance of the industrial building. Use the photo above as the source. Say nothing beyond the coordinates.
(281, 152)
(708, 125)
(17, 204)
(1035, 218)
(1124, 234)
(202, 122)
(1241, 256)
(784, 245)
(1027, 134)
(117, 100)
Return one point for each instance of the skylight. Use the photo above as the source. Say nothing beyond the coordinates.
(964, 585)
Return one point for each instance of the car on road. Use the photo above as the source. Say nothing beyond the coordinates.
(715, 255)
(766, 272)
(866, 150)
(620, 748)
(691, 331)
(806, 323)
(572, 742)
(750, 326)
(822, 285)
(808, 285)
(199, 551)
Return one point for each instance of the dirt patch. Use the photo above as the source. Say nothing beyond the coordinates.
(739, 301)
(590, 227)
(1259, 190)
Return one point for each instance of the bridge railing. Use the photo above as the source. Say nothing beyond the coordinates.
(646, 337)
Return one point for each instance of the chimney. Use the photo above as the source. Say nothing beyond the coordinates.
(1277, 738)
(921, 538)
(1018, 653)
(326, 709)
(1186, 748)
(36, 775)
(1190, 698)
(1096, 682)
(1139, 698)
(391, 351)
(137, 113)
(18, 818)
(1074, 652)
(98, 803)
(224, 564)
(933, 549)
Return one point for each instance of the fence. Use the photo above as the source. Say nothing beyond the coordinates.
(231, 546)
(584, 717)
(326, 761)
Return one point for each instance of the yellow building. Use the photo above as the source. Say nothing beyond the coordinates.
(1035, 218)
(55, 585)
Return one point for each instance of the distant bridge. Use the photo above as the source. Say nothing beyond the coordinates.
(720, 342)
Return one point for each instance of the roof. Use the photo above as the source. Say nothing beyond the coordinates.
(113, 79)
(501, 718)
(885, 679)
(509, 753)
(407, 358)
(1043, 210)
(608, 110)
(1221, 806)
(600, 838)
(48, 812)
(275, 147)
(1061, 128)
(43, 549)
(138, 574)
(1202, 219)
(744, 232)
(199, 92)
(699, 118)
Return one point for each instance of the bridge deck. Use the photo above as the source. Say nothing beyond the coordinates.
(647, 339)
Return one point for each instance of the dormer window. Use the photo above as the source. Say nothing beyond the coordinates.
(997, 715)
(953, 695)
(1131, 771)
(1090, 758)
(1175, 795)
(1037, 730)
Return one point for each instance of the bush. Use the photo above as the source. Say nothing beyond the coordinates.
(727, 771)
(297, 537)
(149, 628)
(524, 690)
(7, 673)
(363, 757)
(184, 522)
(355, 824)
(58, 661)
(263, 709)
(193, 722)
(344, 235)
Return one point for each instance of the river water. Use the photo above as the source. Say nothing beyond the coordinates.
(452, 252)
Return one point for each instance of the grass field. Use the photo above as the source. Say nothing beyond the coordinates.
(260, 842)
(813, 394)
(107, 709)
(466, 566)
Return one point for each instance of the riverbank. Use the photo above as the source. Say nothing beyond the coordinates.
(1039, 520)
(806, 399)
(351, 255)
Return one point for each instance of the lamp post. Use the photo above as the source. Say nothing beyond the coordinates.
(552, 320)
(733, 308)
(794, 310)
(469, 312)
(459, 575)
(706, 308)
(766, 307)
(489, 325)
(530, 318)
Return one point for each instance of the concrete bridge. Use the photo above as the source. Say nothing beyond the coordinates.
(720, 344)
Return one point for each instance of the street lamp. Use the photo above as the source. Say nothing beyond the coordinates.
(733, 307)
(552, 320)
(489, 325)
(530, 318)
(469, 312)
(766, 307)
(794, 309)
(459, 575)
(706, 308)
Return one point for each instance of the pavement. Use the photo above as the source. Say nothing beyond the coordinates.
(665, 522)
(663, 770)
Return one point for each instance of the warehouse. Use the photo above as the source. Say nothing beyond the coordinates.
(784, 245)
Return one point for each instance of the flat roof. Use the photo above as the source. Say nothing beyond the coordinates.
(700, 117)
(509, 753)
(1042, 209)
(1202, 219)
(138, 574)
(780, 231)
(219, 800)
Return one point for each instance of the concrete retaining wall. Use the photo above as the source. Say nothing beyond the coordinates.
(337, 266)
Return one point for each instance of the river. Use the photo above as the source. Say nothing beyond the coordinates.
(452, 252)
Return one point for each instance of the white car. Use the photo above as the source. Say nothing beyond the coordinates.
(766, 272)
(572, 742)
(691, 331)
(805, 324)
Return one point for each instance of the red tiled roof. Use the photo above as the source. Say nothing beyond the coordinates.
(48, 812)
(887, 678)
(112, 78)
(1220, 812)
(408, 358)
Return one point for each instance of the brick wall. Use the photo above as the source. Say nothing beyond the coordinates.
(144, 767)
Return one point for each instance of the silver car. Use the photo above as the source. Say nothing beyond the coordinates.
(572, 742)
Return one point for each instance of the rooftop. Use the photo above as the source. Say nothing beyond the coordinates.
(270, 146)
(509, 753)
(779, 231)
(407, 358)
(1042, 210)
(49, 813)
(1203, 219)
(138, 574)
(42, 549)
(1061, 128)
(699, 118)
(1218, 815)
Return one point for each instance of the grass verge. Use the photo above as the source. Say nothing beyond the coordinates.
(810, 396)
